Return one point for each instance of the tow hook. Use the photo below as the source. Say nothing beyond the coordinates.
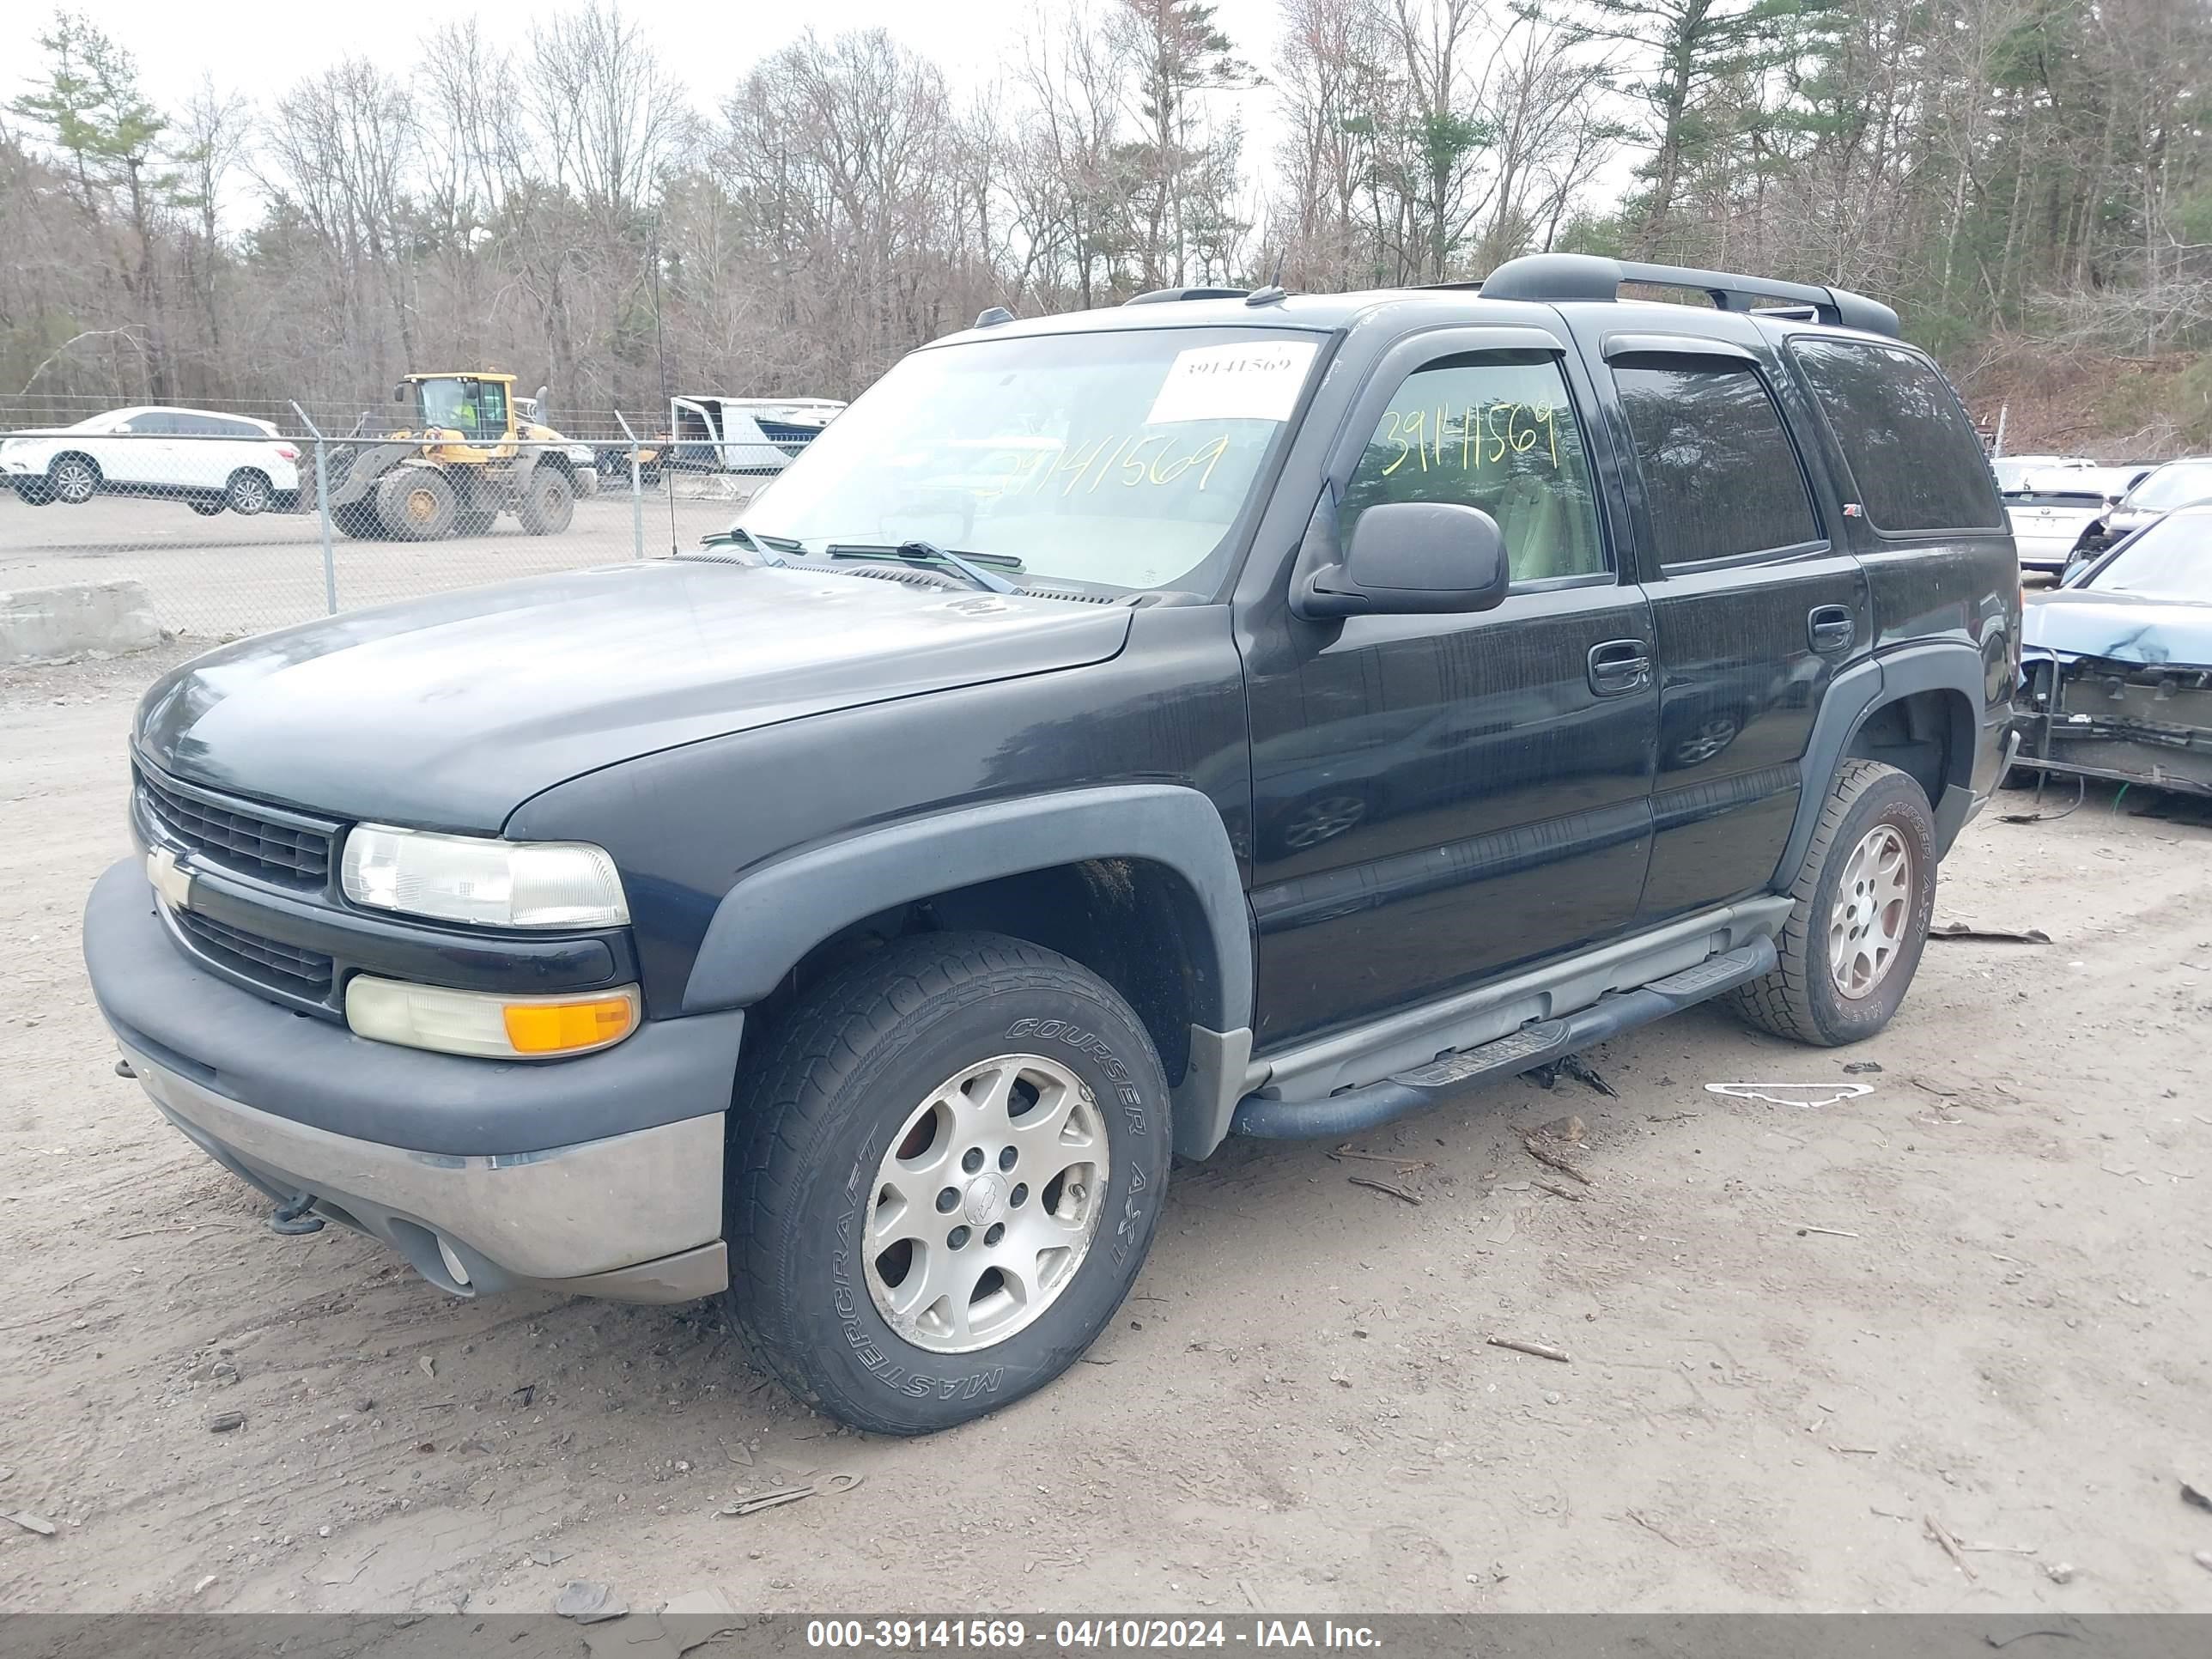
(293, 1217)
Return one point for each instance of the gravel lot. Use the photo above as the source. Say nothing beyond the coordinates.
(2004, 1334)
(216, 577)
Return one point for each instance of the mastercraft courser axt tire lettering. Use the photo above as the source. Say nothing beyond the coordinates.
(946, 1165)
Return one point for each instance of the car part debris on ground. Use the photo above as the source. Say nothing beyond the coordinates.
(1809, 1096)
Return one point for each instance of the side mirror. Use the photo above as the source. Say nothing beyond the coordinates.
(1411, 558)
(400, 393)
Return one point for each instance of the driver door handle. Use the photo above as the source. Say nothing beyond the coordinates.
(1619, 667)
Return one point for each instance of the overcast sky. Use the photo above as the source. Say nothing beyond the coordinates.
(263, 50)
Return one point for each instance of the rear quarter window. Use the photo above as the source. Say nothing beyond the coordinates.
(1911, 449)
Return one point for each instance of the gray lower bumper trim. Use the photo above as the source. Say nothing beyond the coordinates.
(642, 1211)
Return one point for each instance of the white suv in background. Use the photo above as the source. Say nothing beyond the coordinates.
(206, 460)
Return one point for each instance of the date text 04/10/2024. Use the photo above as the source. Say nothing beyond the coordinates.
(954, 1635)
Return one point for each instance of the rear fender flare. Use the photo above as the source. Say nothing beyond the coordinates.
(779, 911)
(1854, 695)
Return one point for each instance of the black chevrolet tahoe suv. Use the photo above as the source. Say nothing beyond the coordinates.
(1225, 714)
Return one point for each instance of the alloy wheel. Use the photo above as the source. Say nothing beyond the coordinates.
(985, 1203)
(1872, 912)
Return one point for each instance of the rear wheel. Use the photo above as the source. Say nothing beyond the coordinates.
(248, 492)
(73, 479)
(548, 501)
(417, 504)
(945, 1170)
(1853, 940)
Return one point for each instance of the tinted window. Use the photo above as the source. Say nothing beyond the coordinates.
(149, 425)
(1720, 476)
(1495, 431)
(1918, 464)
(2053, 498)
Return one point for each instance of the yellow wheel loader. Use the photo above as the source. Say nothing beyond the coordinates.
(467, 451)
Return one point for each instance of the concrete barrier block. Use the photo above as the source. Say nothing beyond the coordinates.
(79, 619)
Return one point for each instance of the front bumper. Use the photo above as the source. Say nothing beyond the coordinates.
(618, 1218)
(599, 1176)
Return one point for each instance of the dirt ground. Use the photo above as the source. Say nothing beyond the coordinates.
(2007, 1333)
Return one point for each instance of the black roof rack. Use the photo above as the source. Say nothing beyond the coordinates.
(1563, 276)
(1161, 297)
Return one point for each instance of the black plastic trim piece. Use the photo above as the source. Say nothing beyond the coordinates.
(778, 912)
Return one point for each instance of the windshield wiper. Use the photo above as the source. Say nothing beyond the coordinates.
(770, 547)
(929, 553)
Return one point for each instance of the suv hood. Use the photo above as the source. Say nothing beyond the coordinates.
(2086, 622)
(450, 712)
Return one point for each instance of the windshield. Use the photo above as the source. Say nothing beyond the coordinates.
(1121, 459)
(472, 407)
(2171, 559)
(2173, 486)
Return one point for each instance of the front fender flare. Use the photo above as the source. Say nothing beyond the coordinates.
(779, 910)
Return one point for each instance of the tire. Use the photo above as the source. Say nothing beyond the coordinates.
(548, 501)
(358, 520)
(1873, 812)
(851, 1079)
(417, 504)
(249, 493)
(73, 479)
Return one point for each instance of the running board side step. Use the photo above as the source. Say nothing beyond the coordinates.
(1537, 1043)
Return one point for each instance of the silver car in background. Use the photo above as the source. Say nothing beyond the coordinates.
(2052, 509)
(2151, 495)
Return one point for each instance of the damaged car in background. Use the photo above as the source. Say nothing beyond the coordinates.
(2147, 499)
(2116, 666)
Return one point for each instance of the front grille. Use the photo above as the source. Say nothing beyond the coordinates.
(239, 834)
(269, 962)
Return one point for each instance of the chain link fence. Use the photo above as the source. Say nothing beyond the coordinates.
(242, 517)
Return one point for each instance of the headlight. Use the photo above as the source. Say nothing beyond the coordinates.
(487, 1024)
(494, 884)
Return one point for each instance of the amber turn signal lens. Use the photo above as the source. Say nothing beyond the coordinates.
(560, 1027)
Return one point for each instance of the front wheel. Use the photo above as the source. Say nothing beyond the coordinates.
(74, 479)
(1864, 900)
(248, 493)
(548, 501)
(946, 1168)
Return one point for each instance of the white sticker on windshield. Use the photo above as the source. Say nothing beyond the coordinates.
(1255, 381)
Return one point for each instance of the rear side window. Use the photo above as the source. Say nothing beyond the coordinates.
(1720, 475)
(1918, 464)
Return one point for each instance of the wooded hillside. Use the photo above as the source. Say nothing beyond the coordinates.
(2027, 181)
